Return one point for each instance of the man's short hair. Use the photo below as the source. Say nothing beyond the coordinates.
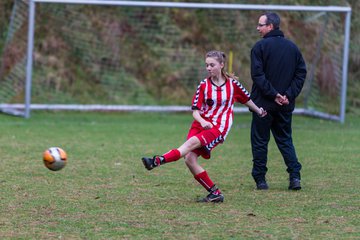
(272, 18)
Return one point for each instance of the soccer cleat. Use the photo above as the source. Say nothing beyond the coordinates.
(262, 185)
(295, 184)
(151, 163)
(215, 198)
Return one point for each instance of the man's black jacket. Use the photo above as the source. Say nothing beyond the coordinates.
(277, 66)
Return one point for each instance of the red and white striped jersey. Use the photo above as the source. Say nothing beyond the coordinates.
(216, 103)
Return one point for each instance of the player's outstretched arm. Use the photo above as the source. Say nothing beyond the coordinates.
(259, 110)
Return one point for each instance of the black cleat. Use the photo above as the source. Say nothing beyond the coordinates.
(151, 163)
(262, 185)
(295, 184)
(215, 198)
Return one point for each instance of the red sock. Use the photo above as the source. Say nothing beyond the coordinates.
(205, 181)
(172, 155)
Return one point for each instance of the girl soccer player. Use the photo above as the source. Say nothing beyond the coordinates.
(212, 107)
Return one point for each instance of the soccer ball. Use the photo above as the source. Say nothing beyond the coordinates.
(54, 158)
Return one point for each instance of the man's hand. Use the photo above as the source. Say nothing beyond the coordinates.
(281, 100)
(286, 101)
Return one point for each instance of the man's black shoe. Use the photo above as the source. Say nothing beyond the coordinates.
(295, 184)
(262, 185)
(215, 198)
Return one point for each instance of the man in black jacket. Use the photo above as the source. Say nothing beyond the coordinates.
(278, 72)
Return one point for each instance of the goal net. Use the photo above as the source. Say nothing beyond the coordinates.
(149, 56)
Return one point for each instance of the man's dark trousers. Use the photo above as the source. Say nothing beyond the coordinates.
(279, 123)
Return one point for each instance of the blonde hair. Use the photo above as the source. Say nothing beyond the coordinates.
(221, 58)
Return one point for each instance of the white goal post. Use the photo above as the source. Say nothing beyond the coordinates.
(305, 110)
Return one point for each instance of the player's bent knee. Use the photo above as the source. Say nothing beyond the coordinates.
(193, 142)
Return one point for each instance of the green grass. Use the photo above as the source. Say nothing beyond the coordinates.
(104, 192)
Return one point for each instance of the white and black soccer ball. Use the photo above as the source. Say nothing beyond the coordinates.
(55, 158)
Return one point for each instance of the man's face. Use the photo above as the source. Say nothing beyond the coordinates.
(262, 27)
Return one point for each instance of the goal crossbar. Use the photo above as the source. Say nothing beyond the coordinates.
(204, 5)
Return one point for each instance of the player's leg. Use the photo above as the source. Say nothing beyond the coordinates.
(282, 132)
(194, 141)
(200, 175)
(172, 155)
(191, 161)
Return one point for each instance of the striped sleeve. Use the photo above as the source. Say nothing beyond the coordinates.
(240, 93)
(198, 98)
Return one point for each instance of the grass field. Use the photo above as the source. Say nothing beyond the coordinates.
(104, 192)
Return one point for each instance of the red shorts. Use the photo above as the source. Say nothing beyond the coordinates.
(209, 139)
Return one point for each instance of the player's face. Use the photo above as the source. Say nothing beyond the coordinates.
(213, 67)
(262, 27)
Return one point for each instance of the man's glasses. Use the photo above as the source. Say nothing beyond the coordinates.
(261, 25)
